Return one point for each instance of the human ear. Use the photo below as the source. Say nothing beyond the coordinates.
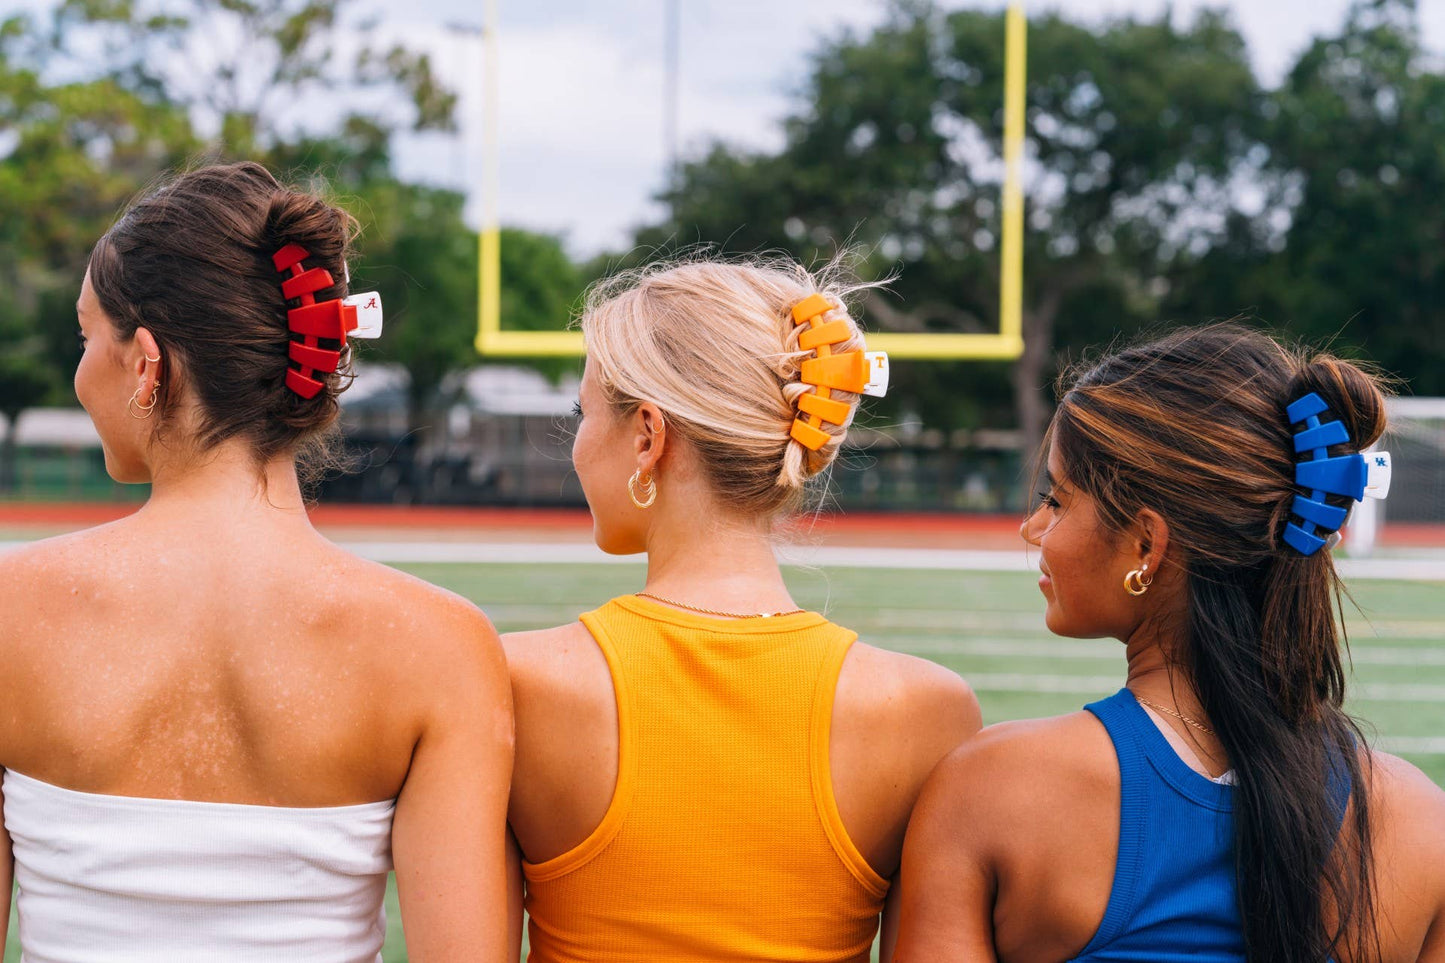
(1150, 536)
(649, 436)
(149, 359)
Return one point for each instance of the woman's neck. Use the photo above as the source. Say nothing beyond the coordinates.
(226, 483)
(1156, 677)
(726, 564)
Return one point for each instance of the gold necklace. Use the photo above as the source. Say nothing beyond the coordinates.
(725, 615)
(1176, 714)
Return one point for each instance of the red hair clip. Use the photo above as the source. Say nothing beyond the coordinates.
(313, 320)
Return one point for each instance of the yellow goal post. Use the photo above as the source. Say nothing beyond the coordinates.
(493, 340)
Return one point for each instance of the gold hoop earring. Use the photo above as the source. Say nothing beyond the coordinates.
(134, 405)
(1135, 583)
(649, 489)
(155, 360)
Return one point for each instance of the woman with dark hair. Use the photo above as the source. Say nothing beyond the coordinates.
(1222, 806)
(220, 731)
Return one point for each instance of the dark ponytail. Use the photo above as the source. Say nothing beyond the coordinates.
(1193, 426)
(191, 262)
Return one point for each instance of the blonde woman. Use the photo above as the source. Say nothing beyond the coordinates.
(705, 771)
(220, 731)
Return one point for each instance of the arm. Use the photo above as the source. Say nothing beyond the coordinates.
(888, 931)
(449, 837)
(7, 876)
(951, 715)
(1434, 949)
(515, 897)
(947, 884)
(1408, 825)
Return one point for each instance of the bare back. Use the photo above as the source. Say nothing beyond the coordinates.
(253, 662)
(220, 667)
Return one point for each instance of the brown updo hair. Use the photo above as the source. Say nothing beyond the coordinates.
(190, 261)
(713, 344)
(1192, 425)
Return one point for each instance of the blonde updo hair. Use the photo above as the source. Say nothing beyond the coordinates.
(713, 344)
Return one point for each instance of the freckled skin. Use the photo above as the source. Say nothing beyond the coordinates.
(212, 646)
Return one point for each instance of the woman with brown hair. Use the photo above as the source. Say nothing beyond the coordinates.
(706, 772)
(220, 730)
(1222, 806)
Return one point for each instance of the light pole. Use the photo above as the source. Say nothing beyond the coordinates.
(670, 40)
(466, 73)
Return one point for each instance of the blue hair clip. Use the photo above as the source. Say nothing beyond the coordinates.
(1353, 476)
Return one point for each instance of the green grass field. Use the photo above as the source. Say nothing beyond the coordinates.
(989, 628)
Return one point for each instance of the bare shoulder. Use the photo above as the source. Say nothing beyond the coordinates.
(381, 585)
(52, 559)
(545, 661)
(1022, 769)
(539, 645)
(436, 629)
(879, 687)
(45, 579)
(1411, 806)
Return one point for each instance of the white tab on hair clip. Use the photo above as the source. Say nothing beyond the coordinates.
(877, 385)
(368, 314)
(1377, 473)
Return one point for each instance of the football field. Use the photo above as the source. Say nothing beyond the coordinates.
(988, 626)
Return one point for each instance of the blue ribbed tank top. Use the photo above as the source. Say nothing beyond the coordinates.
(1173, 897)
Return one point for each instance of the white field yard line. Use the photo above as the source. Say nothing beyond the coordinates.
(1396, 569)
(1412, 569)
(1363, 654)
(1103, 684)
(1413, 745)
(1363, 630)
(561, 553)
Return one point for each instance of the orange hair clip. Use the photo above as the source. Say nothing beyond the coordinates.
(810, 307)
(854, 371)
(819, 372)
(841, 372)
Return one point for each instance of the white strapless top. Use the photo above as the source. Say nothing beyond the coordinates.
(116, 879)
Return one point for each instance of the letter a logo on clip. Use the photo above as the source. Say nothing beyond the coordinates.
(368, 314)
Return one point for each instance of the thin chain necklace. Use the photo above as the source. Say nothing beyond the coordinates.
(725, 615)
(1178, 715)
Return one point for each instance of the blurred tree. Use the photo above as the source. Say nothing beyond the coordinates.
(1353, 247)
(1135, 134)
(71, 154)
(541, 286)
(418, 252)
(258, 71)
(26, 377)
(273, 79)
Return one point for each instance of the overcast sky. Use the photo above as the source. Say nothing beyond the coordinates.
(581, 87)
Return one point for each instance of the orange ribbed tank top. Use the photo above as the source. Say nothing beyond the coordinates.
(723, 840)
